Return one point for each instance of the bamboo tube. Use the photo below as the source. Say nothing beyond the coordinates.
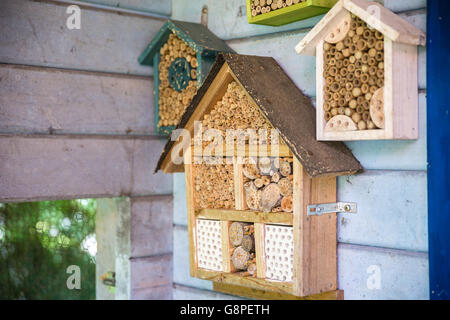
(371, 42)
(356, 83)
(380, 73)
(366, 105)
(356, 92)
(366, 116)
(352, 104)
(364, 78)
(362, 125)
(373, 89)
(379, 56)
(372, 62)
(348, 112)
(373, 70)
(361, 45)
(360, 109)
(348, 41)
(348, 96)
(350, 77)
(334, 112)
(365, 88)
(379, 35)
(380, 82)
(356, 117)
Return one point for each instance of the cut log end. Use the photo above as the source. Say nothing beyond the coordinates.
(239, 258)
(236, 233)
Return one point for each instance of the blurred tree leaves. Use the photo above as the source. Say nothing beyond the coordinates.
(38, 241)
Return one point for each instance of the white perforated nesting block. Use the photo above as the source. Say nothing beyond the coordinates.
(279, 251)
(209, 245)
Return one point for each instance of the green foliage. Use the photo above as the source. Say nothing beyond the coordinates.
(38, 241)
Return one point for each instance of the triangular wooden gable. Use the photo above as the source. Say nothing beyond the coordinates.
(374, 14)
(280, 102)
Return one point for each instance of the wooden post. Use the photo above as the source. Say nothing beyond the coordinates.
(315, 259)
(190, 209)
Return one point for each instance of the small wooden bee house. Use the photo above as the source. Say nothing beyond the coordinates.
(367, 73)
(280, 12)
(182, 54)
(247, 193)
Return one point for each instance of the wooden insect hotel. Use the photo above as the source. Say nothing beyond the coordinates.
(367, 73)
(280, 12)
(247, 194)
(182, 54)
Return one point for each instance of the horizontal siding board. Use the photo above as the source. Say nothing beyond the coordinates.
(181, 292)
(151, 272)
(403, 274)
(392, 209)
(39, 100)
(179, 202)
(228, 19)
(181, 273)
(301, 68)
(153, 6)
(62, 167)
(35, 33)
(151, 226)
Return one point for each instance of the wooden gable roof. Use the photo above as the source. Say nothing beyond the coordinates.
(286, 108)
(374, 14)
(197, 36)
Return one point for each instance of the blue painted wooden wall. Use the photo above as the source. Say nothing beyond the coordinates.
(389, 235)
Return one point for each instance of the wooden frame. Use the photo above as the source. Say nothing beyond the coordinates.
(300, 11)
(400, 71)
(315, 262)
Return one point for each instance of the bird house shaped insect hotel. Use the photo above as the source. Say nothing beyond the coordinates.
(280, 12)
(252, 166)
(367, 73)
(182, 54)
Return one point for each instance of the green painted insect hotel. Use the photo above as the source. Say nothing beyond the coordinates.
(182, 54)
(281, 12)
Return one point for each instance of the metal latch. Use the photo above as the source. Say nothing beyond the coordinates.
(338, 207)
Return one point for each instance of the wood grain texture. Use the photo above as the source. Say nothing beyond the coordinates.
(181, 292)
(43, 100)
(63, 167)
(267, 295)
(282, 218)
(315, 269)
(151, 226)
(151, 277)
(153, 6)
(190, 210)
(35, 33)
(260, 250)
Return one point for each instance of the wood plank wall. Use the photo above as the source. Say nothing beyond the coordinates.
(388, 237)
(76, 120)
